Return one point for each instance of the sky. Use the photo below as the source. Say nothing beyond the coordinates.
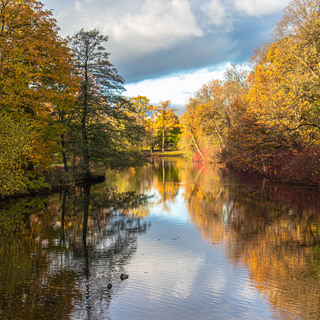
(167, 49)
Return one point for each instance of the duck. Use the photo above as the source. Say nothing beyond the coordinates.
(124, 276)
(109, 286)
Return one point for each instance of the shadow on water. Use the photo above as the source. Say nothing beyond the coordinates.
(59, 253)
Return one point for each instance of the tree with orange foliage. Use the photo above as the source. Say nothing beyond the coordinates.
(210, 115)
(35, 79)
(278, 131)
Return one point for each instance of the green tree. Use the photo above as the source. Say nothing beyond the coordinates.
(16, 149)
(102, 129)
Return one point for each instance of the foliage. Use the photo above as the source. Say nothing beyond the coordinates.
(210, 115)
(35, 71)
(144, 113)
(268, 121)
(167, 125)
(102, 129)
(35, 78)
(58, 103)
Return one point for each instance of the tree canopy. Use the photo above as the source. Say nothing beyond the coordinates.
(265, 118)
(35, 78)
(102, 128)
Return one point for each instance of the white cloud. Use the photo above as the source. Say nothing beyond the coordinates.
(217, 13)
(78, 6)
(260, 7)
(150, 37)
(149, 27)
(177, 87)
(159, 25)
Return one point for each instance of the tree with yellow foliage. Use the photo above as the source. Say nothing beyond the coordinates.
(210, 115)
(167, 124)
(144, 112)
(35, 77)
(278, 131)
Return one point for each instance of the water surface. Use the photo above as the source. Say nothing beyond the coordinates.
(196, 242)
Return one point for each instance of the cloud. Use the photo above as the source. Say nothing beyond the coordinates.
(78, 6)
(159, 25)
(167, 38)
(150, 26)
(167, 264)
(260, 7)
(217, 13)
(177, 87)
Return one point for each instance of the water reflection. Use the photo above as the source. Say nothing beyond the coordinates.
(59, 253)
(208, 242)
(270, 230)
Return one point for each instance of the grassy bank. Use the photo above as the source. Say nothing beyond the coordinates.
(173, 153)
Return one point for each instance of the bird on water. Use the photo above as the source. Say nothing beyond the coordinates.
(124, 276)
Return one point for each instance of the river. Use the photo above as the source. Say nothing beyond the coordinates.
(196, 242)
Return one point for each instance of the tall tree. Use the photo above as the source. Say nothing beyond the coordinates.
(103, 126)
(210, 115)
(35, 77)
(299, 33)
(145, 113)
(166, 121)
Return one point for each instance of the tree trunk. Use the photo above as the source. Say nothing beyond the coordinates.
(163, 132)
(64, 156)
(85, 149)
(86, 174)
(221, 142)
(196, 144)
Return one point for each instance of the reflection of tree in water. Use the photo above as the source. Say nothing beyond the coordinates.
(105, 252)
(163, 175)
(28, 288)
(274, 231)
(166, 181)
(277, 242)
(62, 251)
(59, 253)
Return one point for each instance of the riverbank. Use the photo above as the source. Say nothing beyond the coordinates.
(56, 179)
(299, 170)
(161, 154)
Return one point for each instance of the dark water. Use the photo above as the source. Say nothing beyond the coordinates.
(206, 244)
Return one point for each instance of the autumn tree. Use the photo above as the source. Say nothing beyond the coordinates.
(16, 148)
(142, 107)
(210, 115)
(167, 123)
(299, 33)
(266, 121)
(35, 76)
(278, 132)
(144, 112)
